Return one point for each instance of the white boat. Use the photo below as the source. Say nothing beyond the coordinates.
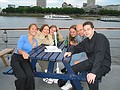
(110, 19)
(58, 17)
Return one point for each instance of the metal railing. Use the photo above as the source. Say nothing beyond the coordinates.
(9, 37)
(59, 28)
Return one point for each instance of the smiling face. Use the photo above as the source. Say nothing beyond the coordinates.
(45, 30)
(88, 31)
(79, 29)
(52, 30)
(33, 29)
(73, 32)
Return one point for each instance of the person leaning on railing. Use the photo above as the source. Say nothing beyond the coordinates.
(20, 61)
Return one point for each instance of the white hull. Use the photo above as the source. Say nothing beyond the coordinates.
(110, 19)
(58, 17)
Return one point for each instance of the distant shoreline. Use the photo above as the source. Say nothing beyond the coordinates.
(23, 15)
(91, 17)
(84, 16)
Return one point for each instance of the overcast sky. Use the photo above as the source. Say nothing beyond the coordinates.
(55, 3)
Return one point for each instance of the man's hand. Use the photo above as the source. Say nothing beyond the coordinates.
(76, 62)
(91, 78)
(67, 54)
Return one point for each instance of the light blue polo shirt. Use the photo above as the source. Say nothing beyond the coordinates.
(24, 45)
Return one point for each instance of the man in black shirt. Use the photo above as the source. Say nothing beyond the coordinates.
(97, 48)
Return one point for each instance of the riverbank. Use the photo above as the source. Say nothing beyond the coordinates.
(22, 15)
(89, 17)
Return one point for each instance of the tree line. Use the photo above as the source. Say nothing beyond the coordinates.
(77, 11)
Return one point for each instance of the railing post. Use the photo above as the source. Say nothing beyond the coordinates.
(5, 38)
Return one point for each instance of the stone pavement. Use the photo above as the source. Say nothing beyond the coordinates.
(110, 82)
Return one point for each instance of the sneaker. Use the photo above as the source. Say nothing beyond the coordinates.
(67, 86)
(48, 80)
(55, 81)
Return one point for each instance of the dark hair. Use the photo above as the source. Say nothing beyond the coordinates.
(89, 23)
(70, 37)
(73, 27)
(53, 26)
(32, 25)
(41, 29)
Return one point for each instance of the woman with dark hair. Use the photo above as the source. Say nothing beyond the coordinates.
(54, 28)
(20, 61)
(43, 37)
(74, 39)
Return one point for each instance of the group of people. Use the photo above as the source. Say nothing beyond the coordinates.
(89, 50)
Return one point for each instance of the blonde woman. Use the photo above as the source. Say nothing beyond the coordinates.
(20, 60)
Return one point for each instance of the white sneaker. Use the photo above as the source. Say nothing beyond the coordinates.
(48, 80)
(67, 86)
(55, 80)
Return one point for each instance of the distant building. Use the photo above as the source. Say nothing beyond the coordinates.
(41, 3)
(64, 5)
(90, 3)
(112, 7)
(95, 8)
(11, 5)
(90, 6)
(84, 4)
(70, 5)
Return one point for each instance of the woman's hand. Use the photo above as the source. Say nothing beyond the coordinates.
(25, 55)
(38, 33)
(67, 54)
(34, 45)
(91, 78)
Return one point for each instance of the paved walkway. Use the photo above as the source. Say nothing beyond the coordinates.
(110, 82)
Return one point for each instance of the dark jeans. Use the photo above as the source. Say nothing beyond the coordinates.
(23, 72)
(87, 65)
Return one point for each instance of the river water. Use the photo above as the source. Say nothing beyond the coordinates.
(23, 22)
(15, 22)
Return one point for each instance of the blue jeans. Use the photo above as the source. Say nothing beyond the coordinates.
(79, 56)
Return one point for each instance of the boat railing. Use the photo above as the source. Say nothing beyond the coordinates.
(8, 36)
(7, 29)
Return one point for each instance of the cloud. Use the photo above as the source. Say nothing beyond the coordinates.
(3, 1)
(99, 1)
(52, 1)
(25, 2)
(107, 2)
